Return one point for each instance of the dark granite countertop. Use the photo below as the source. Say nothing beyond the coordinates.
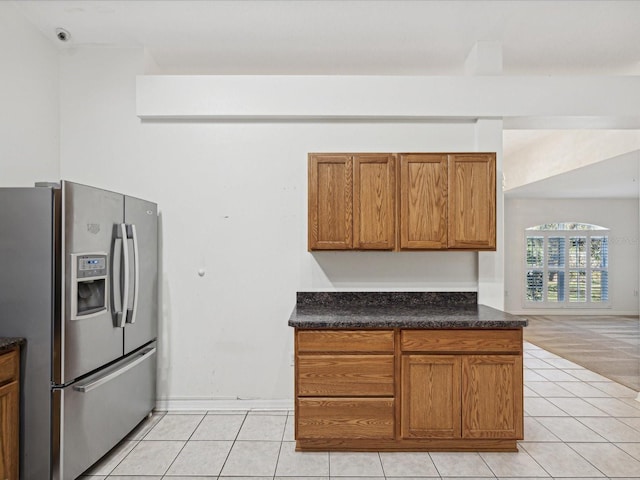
(7, 343)
(397, 310)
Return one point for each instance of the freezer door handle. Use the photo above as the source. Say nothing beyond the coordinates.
(123, 281)
(131, 312)
(136, 360)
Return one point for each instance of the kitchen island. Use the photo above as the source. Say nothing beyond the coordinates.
(406, 371)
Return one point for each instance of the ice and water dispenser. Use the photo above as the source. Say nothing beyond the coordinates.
(89, 285)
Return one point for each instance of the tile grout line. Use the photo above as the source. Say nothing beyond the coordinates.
(495, 475)
(183, 446)
(137, 442)
(534, 459)
(284, 432)
(381, 465)
(233, 443)
(587, 460)
(435, 465)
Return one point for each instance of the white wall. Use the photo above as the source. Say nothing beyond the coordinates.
(29, 136)
(233, 198)
(619, 215)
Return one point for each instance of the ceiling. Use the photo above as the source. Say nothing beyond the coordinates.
(617, 177)
(354, 37)
(372, 37)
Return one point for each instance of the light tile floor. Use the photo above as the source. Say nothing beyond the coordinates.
(578, 424)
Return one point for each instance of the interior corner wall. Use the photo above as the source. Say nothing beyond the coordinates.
(29, 123)
(619, 215)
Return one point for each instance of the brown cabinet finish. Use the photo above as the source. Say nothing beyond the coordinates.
(492, 396)
(407, 201)
(411, 390)
(423, 201)
(345, 418)
(349, 341)
(462, 341)
(345, 375)
(330, 202)
(9, 414)
(431, 396)
(374, 204)
(472, 201)
(351, 202)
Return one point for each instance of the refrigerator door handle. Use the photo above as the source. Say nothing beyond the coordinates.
(131, 312)
(123, 281)
(116, 280)
(95, 383)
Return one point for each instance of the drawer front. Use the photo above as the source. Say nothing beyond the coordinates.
(346, 341)
(354, 418)
(9, 367)
(345, 375)
(462, 341)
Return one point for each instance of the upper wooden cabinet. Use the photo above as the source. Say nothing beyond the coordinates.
(351, 202)
(423, 201)
(373, 202)
(330, 202)
(472, 201)
(444, 201)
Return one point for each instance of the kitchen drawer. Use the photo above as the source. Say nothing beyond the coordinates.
(9, 366)
(353, 418)
(346, 341)
(462, 341)
(345, 375)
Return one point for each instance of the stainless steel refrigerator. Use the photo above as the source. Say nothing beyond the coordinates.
(79, 280)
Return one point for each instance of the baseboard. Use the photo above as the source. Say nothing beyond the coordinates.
(205, 404)
(585, 312)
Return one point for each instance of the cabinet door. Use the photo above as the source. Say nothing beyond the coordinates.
(492, 396)
(9, 431)
(423, 201)
(330, 202)
(374, 202)
(472, 201)
(430, 396)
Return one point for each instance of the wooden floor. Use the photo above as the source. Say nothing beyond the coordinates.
(608, 345)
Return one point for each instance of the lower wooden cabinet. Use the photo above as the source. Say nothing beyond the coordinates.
(9, 415)
(431, 399)
(461, 396)
(492, 396)
(412, 390)
(350, 418)
(345, 375)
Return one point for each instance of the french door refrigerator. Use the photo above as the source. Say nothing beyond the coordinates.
(79, 280)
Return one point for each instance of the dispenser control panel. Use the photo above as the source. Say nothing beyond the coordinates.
(91, 266)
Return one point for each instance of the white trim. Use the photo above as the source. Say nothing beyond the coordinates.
(202, 404)
(573, 312)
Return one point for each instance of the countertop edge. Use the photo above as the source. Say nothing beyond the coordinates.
(481, 319)
(7, 343)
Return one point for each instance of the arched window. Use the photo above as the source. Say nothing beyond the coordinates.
(567, 265)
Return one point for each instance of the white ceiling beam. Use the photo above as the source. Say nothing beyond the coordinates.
(389, 97)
